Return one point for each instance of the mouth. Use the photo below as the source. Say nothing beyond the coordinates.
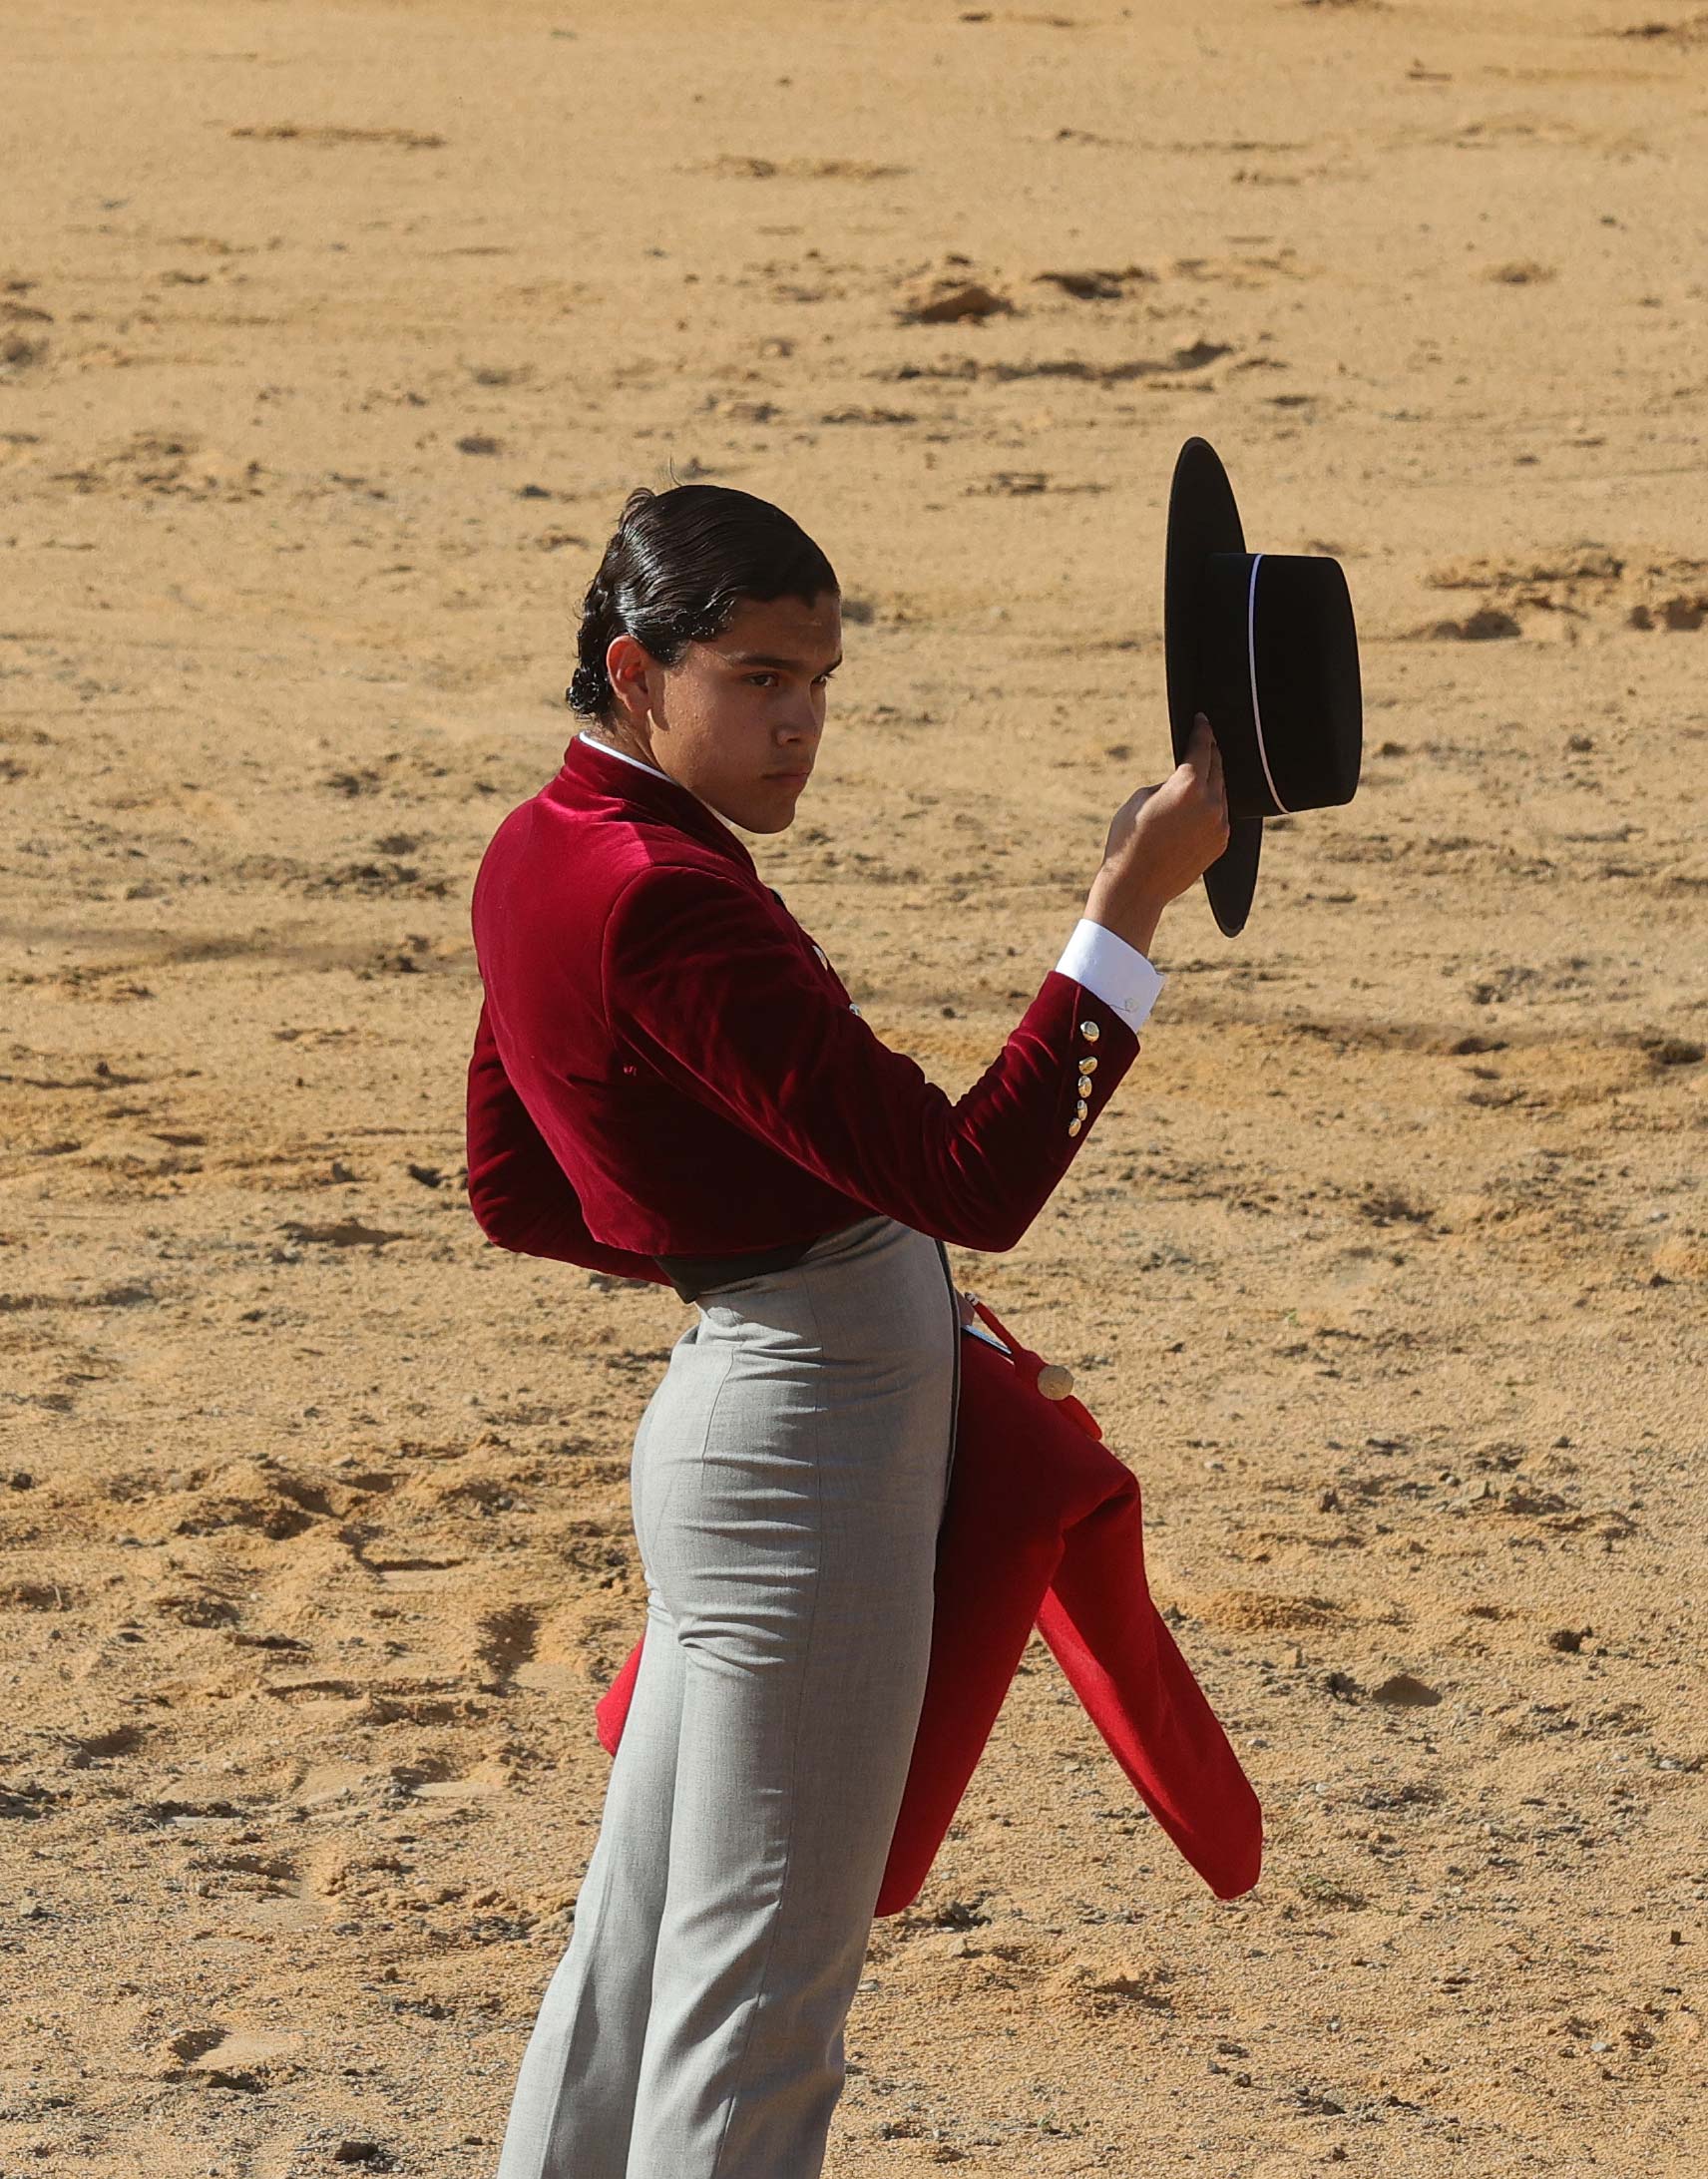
(796, 777)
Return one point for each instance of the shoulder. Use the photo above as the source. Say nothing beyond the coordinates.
(676, 886)
(589, 863)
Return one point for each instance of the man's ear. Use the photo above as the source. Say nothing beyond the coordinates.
(629, 664)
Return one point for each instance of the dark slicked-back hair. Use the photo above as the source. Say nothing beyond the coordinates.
(676, 566)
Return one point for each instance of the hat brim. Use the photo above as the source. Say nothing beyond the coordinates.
(1203, 519)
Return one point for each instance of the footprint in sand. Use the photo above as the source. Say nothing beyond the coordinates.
(1019, 484)
(343, 1233)
(1520, 272)
(950, 302)
(1488, 623)
(88, 1749)
(404, 1707)
(740, 166)
(249, 1494)
(227, 2057)
(1097, 285)
(198, 1608)
(397, 1571)
(290, 132)
(324, 1783)
(505, 1640)
(261, 1876)
(441, 1776)
(20, 352)
(36, 1596)
(1403, 1691)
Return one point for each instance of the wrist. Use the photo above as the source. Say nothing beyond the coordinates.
(1131, 919)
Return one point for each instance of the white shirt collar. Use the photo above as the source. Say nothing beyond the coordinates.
(640, 764)
(583, 735)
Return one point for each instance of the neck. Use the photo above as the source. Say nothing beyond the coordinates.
(614, 737)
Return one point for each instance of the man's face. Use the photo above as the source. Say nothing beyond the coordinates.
(738, 721)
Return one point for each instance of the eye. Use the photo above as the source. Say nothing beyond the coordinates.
(755, 680)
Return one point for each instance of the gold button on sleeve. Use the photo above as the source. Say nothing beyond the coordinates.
(1089, 1030)
(1084, 1086)
(1074, 1125)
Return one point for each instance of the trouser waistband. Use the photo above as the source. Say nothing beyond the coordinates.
(692, 1276)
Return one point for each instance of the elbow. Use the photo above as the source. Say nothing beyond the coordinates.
(987, 1240)
(990, 1237)
(496, 1220)
(1001, 1226)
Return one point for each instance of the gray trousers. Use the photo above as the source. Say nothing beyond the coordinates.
(789, 1477)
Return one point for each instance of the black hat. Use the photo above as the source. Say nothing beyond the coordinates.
(1263, 643)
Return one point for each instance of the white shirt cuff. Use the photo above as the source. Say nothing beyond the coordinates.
(1117, 973)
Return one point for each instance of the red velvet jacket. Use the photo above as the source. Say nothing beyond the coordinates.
(665, 1063)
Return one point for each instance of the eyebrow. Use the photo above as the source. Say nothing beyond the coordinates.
(787, 666)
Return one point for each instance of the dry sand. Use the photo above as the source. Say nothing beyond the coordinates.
(332, 338)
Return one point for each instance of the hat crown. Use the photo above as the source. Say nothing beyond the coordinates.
(1278, 672)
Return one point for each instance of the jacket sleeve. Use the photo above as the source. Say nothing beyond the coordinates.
(699, 985)
(521, 1196)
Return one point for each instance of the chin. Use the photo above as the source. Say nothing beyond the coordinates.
(759, 809)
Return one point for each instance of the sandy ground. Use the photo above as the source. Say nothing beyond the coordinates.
(330, 338)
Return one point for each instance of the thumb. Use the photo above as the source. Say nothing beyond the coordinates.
(1200, 743)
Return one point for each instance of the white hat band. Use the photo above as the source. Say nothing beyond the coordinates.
(1251, 656)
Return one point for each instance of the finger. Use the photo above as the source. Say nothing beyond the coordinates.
(1215, 789)
(1200, 743)
(1208, 767)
